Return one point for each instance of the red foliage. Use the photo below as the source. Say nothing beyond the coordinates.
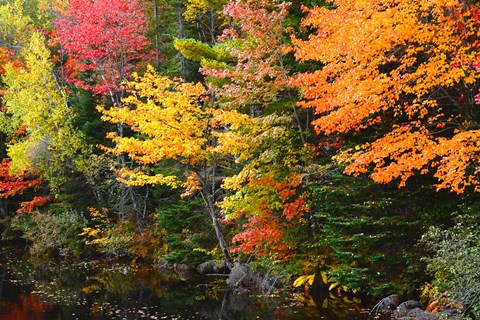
(16, 185)
(7, 56)
(329, 146)
(105, 37)
(38, 201)
(259, 231)
(11, 186)
(265, 230)
(296, 208)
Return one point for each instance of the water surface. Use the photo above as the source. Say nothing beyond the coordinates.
(37, 289)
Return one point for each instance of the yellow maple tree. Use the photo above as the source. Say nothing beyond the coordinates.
(174, 120)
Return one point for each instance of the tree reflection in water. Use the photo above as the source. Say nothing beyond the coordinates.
(38, 288)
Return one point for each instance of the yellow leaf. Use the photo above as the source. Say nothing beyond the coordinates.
(311, 278)
(324, 277)
(333, 286)
(302, 280)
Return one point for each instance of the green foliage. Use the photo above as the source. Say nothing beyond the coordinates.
(185, 227)
(52, 232)
(118, 239)
(193, 49)
(87, 117)
(364, 235)
(167, 24)
(454, 261)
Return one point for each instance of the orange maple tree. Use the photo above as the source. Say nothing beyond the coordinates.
(409, 71)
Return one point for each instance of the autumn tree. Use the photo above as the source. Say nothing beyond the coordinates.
(38, 120)
(173, 123)
(406, 73)
(244, 70)
(265, 197)
(104, 40)
(14, 186)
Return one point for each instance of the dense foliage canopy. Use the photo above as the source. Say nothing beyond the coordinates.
(323, 138)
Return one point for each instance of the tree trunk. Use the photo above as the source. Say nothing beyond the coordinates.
(221, 240)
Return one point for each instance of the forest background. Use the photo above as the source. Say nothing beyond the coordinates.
(335, 144)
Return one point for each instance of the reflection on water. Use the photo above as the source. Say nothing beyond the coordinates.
(45, 289)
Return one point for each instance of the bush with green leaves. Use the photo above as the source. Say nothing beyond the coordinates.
(52, 232)
(119, 238)
(455, 263)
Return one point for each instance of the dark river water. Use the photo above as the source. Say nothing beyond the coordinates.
(36, 288)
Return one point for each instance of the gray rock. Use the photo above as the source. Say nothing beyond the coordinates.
(404, 307)
(386, 306)
(241, 277)
(419, 314)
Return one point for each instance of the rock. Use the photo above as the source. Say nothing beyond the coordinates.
(386, 306)
(429, 316)
(452, 313)
(411, 310)
(241, 277)
(404, 307)
(213, 267)
(184, 271)
(419, 314)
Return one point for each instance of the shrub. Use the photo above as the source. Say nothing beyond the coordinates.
(124, 237)
(52, 232)
(455, 264)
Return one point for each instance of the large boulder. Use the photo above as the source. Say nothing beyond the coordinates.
(242, 277)
(385, 307)
(404, 307)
